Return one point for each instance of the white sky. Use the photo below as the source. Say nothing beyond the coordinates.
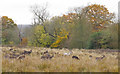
(19, 10)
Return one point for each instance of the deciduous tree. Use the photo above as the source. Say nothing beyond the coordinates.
(99, 16)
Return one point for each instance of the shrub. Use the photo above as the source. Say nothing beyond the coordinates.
(98, 40)
(40, 38)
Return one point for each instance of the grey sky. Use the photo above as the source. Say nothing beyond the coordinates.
(19, 10)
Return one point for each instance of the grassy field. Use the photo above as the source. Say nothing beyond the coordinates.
(59, 63)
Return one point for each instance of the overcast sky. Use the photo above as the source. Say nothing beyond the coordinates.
(19, 10)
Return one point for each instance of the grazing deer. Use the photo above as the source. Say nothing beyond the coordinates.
(27, 52)
(90, 56)
(12, 57)
(47, 56)
(21, 57)
(6, 56)
(70, 52)
(100, 58)
(11, 49)
(45, 52)
(15, 55)
(42, 53)
(75, 57)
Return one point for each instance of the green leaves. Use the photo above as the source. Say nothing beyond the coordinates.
(40, 37)
(99, 39)
(9, 31)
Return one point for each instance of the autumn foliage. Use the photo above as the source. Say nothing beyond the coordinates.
(24, 42)
(7, 22)
(99, 16)
(9, 31)
(62, 36)
(89, 27)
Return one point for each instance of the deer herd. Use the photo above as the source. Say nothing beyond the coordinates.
(46, 55)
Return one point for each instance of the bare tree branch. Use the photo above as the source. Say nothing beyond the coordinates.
(40, 14)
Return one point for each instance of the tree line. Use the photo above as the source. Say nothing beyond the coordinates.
(90, 27)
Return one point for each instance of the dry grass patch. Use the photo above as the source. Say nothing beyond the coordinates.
(61, 63)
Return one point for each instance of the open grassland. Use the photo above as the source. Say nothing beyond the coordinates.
(59, 63)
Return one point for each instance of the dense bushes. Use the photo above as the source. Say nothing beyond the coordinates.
(40, 38)
(112, 30)
(99, 40)
(107, 38)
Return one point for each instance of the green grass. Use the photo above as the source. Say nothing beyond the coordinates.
(61, 63)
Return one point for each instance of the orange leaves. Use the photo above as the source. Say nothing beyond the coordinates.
(98, 14)
(5, 19)
(92, 18)
(7, 22)
(24, 42)
(69, 17)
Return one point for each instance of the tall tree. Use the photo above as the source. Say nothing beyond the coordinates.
(9, 31)
(40, 16)
(7, 22)
(99, 16)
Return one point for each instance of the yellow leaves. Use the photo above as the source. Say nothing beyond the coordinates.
(10, 20)
(54, 45)
(66, 36)
(89, 11)
(57, 43)
(7, 22)
(108, 13)
(62, 35)
(5, 17)
(11, 42)
(63, 23)
(92, 18)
